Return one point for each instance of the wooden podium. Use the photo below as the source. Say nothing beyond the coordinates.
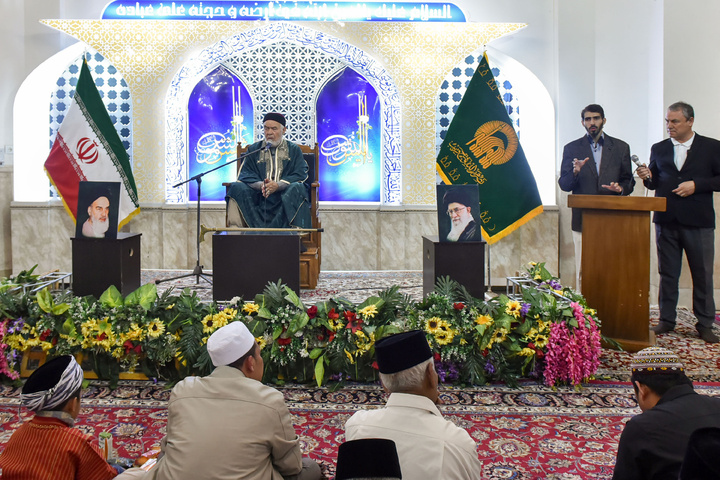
(616, 264)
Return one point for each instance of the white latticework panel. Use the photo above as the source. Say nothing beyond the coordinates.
(285, 77)
(454, 86)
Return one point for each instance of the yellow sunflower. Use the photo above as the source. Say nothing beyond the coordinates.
(251, 308)
(541, 341)
(335, 324)
(513, 308)
(369, 312)
(155, 328)
(484, 320)
(261, 342)
(433, 325)
(209, 325)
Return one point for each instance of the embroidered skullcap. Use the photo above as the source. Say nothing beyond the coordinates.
(656, 360)
(278, 117)
(700, 462)
(367, 458)
(402, 351)
(456, 195)
(52, 384)
(229, 343)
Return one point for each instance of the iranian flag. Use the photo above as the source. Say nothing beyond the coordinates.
(88, 148)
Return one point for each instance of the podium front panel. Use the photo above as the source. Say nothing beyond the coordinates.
(98, 263)
(243, 264)
(464, 262)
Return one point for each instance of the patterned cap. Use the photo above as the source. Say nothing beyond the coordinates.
(656, 360)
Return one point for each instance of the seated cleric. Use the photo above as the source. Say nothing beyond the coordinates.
(270, 191)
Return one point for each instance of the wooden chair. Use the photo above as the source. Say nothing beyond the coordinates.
(309, 259)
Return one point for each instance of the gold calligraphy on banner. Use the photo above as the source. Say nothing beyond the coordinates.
(470, 166)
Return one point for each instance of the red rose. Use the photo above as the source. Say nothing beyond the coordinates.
(45, 334)
(485, 353)
(333, 315)
(312, 311)
(531, 346)
(458, 306)
(375, 366)
(436, 356)
(284, 341)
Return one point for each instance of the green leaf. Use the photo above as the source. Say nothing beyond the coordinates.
(45, 300)
(264, 313)
(293, 298)
(316, 352)
(277, 332)
(60, 308)
(111, 297)
(144, 296)
(320, 370)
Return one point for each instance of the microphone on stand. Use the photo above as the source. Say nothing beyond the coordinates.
(267, 149)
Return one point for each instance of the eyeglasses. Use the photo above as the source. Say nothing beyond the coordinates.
(455, 210)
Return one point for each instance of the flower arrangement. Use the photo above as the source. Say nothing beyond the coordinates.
(544, 331)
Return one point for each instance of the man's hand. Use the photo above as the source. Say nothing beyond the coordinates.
(614, 187)
(685, 189)
(269, 187)
(578, 164)
(643, 172)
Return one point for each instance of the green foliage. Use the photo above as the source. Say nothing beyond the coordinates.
(165, 336)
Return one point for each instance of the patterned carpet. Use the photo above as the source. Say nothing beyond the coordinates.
(532, 432)
(527, 433)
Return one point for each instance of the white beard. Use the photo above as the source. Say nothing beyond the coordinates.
(99, 228)
(457, 229)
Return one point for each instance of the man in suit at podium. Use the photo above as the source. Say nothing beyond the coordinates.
(594, 164)
(685, 169)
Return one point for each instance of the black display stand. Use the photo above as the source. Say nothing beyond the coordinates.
(243, 264)
(98, 263)
(464, 262)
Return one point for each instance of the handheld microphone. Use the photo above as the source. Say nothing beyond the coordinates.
(636, 160)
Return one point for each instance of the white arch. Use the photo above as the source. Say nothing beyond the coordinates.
(184, 81)
(537, 128)
(30, 132)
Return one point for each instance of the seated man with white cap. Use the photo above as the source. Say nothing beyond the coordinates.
(48, 446)
(429, 447)
(228, 425)
(652, 444)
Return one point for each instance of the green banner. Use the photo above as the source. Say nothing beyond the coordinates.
(481, 147)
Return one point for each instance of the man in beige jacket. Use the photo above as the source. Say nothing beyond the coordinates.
(228, 425)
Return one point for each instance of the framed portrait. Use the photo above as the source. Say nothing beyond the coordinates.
(97, 211)
(458, 209)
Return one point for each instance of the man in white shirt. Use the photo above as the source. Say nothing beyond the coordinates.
(685, 169)
(429, 447)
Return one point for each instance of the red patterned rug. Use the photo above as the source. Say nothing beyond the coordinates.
(528, 433)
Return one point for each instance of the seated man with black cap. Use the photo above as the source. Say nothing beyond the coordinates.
(228, 425)
(652, 444)
(270, 191)
(368, 459)
(429, 447)
(48, 446)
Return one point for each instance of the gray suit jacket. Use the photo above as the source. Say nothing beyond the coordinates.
(614, 167)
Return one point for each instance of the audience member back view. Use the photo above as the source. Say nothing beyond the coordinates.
(429, 447)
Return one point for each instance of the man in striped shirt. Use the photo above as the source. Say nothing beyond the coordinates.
(47, 447)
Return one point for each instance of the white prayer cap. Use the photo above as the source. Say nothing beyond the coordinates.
(229, 343)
